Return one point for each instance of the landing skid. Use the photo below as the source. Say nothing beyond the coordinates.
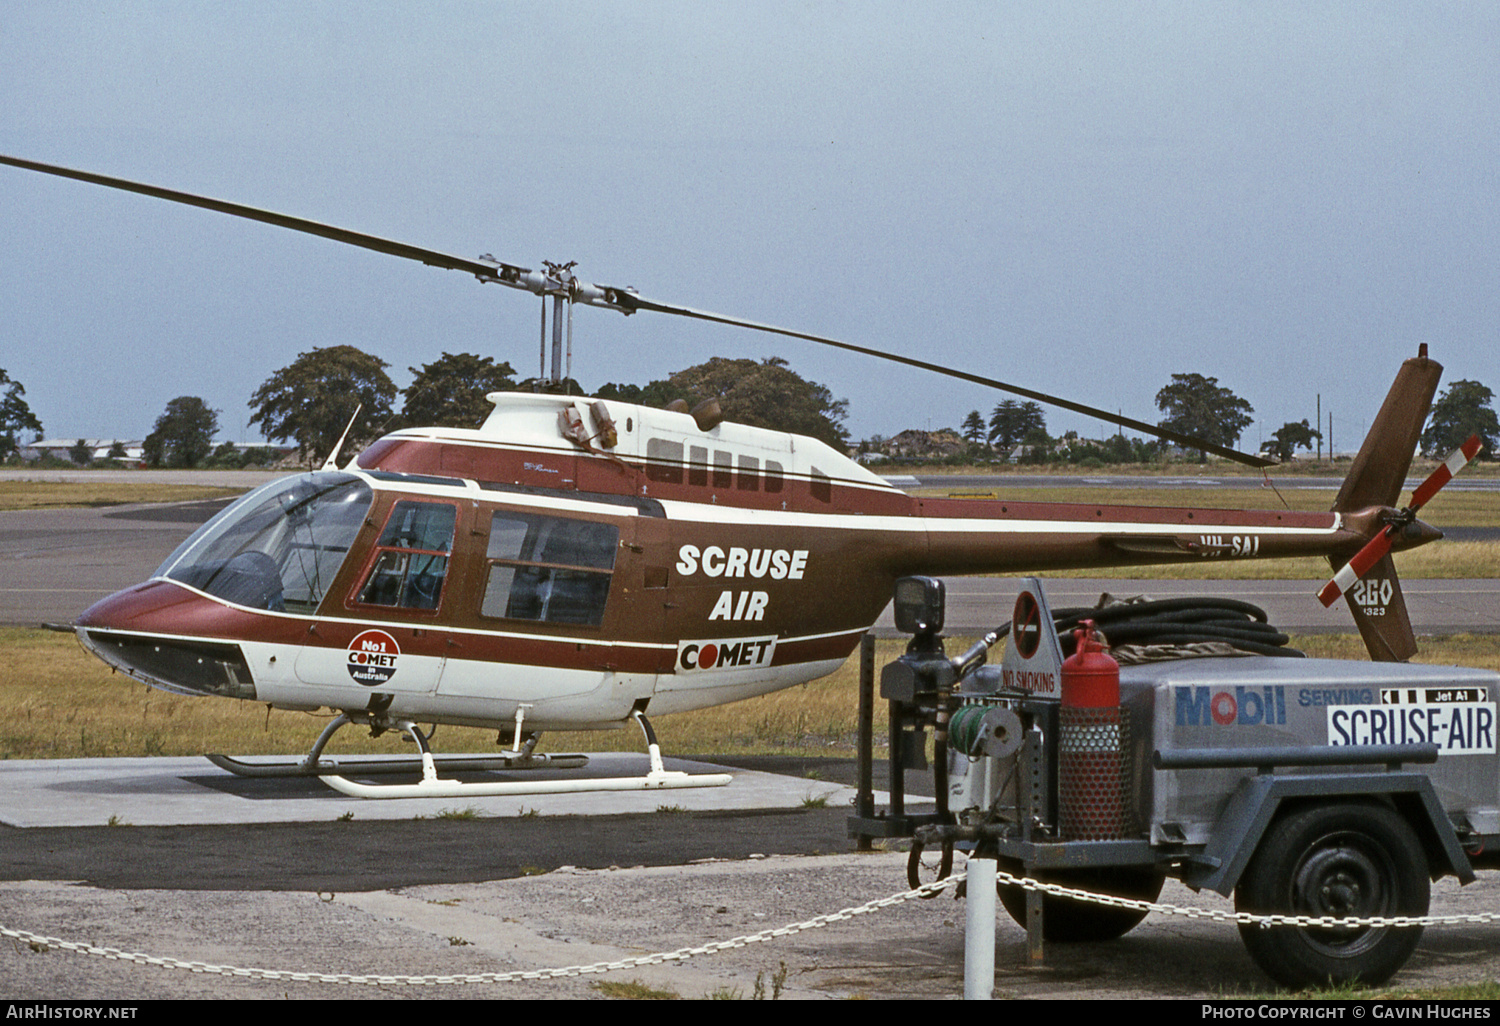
(380, 767)
(332, 771)
(314, 765)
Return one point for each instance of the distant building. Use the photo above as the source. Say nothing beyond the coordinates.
(99, 448)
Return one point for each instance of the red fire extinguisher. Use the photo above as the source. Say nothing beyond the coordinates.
(1091, 744)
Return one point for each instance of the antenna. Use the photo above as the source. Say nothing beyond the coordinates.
(329, 463)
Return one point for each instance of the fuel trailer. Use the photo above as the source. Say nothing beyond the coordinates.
(1310, 787)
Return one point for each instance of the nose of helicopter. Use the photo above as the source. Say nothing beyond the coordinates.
(169, 637)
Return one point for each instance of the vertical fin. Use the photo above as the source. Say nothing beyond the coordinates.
(1379, 471)
(1379, 611)
(1375, 479)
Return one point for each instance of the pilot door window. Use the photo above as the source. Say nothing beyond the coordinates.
(411, 557)
(549, 569)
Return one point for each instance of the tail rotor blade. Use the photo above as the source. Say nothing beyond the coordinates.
(1379, 546)
(1456, 461)
(1374, 551)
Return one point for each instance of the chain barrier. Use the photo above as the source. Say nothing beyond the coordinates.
(1241, 918)
(683, 954)
(680, 955)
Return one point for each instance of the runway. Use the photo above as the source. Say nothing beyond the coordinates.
(56, 563)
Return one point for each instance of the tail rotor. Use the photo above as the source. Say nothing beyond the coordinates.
(1379, 546)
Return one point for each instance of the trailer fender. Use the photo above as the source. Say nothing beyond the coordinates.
(1257, 800)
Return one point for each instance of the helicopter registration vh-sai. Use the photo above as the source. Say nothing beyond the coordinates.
(572, 564)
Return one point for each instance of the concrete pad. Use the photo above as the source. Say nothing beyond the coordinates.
(192, 791)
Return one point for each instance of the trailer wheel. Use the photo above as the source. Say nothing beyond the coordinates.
(1067, 921)
(1335, 860)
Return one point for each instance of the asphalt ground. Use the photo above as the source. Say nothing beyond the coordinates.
(56, 563)
(188, 825)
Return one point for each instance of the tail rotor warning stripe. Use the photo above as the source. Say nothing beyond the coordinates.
(1379, 545)
(1455, 462)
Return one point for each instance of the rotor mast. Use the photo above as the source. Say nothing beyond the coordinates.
(562, 287)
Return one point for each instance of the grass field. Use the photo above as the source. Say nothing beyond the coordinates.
(62, 495)
(58, 702)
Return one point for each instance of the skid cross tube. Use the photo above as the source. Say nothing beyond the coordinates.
(314, 765)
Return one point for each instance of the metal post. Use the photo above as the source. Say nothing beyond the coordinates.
(541, 366)
(897, 786)
(864, 801)
(979, 930)
(1036, 949)
(557, 340)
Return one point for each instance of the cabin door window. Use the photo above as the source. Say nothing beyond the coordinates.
(548, 569)
(411, 557)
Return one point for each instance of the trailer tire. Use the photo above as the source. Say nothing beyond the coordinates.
(1337, 860)
(1066, 921)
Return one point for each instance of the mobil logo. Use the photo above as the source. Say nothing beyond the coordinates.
(372, 658)
(1239, 706)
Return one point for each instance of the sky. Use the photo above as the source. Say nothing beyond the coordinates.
(1081, 198)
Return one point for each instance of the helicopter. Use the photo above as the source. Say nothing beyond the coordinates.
(573, 563)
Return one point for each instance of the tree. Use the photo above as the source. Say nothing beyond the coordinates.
(546, 386)
(184, 434)
(658, 393)
(1012, 421)
(311, 400)
(1290, 437)
(1462, 410)
(768, 394)
(81, 451)
(973, 427)
(450, 391)
(1197, 406)
(15, 415)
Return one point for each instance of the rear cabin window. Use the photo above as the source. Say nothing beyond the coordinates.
(548, 569)
(773, 476)
(723, 469)
(821, 486)
(749, 474)
(664, 464)
(411, 557)
(697, 465)
(664, 461)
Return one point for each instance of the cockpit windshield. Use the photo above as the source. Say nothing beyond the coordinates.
(277, 548)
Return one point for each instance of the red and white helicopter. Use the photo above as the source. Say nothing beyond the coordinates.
(572, 564)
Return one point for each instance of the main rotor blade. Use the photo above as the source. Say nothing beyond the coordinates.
(622, 299)
(490, 271)
(630, 300)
